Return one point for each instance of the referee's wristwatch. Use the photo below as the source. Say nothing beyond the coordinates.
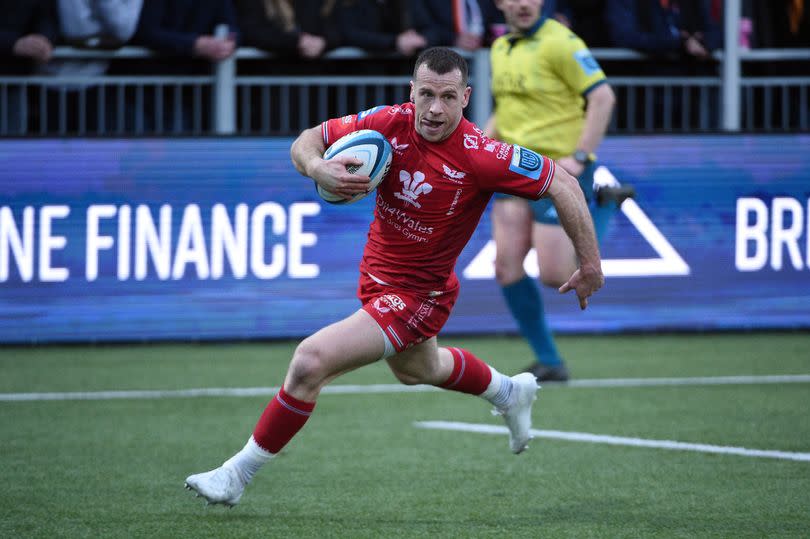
(583, 157)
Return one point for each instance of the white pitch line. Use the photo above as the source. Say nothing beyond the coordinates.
(351, 389)
(207, 392)
(618, 440)
(691, 381)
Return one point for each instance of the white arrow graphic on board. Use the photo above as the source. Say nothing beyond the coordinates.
(668, 262)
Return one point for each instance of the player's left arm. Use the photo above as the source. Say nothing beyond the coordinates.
(575, 218)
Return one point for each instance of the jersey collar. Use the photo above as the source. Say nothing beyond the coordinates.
(514, 38)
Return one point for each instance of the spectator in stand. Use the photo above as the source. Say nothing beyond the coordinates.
(27, 33)
(98, 23)
(186, 28)
(782, 23)
(304, 28)
(87, 24)
(466, 24)
(181, 30)
(386, 27)
(680, 35)
(779, 24)
(94, 24)
(586, 18)
(660, 27)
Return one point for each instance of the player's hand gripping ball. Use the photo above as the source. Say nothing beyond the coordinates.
(367, 145)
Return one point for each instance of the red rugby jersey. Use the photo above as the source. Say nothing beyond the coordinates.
(435, 193)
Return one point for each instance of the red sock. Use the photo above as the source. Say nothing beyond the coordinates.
(470, 374)
(280, 421)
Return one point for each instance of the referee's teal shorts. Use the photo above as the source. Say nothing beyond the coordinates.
(544, 210)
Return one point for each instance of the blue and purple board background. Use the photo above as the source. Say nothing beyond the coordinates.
(718, 238)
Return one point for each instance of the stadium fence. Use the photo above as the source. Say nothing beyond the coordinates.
(736, 95)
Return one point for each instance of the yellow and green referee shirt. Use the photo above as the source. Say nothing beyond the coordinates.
(539, 81)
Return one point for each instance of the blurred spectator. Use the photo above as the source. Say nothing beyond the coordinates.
(680, 35)
(98, 23)
(466, 24)
(386, 26)
(183, 31)
(782, 23)
(295, 28)
(94, 24)
(663, 26)
(586, 18)
(87, 24)
(27, 33)
(187, 27)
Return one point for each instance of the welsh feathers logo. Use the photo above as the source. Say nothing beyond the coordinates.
(413, 187)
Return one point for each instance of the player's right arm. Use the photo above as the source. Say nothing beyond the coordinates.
(518, 171)
(575, 218)
(307, 157)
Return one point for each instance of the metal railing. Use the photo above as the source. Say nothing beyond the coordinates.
(227, 102)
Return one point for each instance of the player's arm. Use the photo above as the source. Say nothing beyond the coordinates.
(601, 101)
(575, 218)
(307, 157)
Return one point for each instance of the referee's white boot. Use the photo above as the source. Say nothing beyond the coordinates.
(221, 485)
(518, 413)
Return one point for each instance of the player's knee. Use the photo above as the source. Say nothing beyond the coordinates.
(309, 365)
(508, 270)
(407, 378)
(418, 372)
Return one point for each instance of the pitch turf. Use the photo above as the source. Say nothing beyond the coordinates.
(115, 468)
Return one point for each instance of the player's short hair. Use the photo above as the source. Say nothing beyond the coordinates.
(442, 60)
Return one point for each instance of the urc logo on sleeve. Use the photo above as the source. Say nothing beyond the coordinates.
(526, 162)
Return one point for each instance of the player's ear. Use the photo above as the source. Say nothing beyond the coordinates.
(465, 100)
(411, 97)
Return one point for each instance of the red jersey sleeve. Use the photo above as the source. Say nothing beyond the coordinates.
(513, 169)
(373, 118)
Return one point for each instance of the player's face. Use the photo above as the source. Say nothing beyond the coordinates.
(520, 15)
(440, 102)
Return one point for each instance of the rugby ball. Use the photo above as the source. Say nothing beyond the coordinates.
(367, 145)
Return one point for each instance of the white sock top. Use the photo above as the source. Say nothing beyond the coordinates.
(248, 460)
(499, 390)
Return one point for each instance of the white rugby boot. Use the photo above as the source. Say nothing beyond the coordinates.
(518, 413)
(221, 485)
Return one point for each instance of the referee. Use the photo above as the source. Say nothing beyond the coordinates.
(551, 96)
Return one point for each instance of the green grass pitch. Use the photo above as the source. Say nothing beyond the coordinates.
(114, 468)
